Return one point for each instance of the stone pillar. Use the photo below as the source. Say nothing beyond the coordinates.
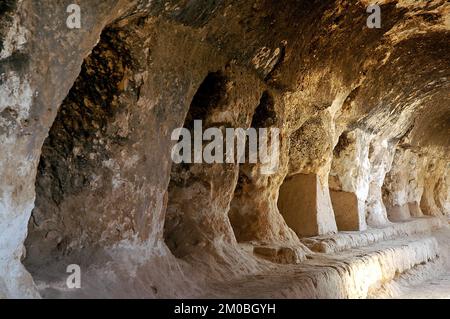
(305, 203)
(436, 188)
(398, 213)
(414, 209)
(380, 163)
(254, 213)
(443, 191)
(403, 185)
(199, 194)
(349, 180)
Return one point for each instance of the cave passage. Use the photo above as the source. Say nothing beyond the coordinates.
(357, 205)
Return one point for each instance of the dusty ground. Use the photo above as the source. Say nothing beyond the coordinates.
(86, 170)
(425, 281)
(437, 287)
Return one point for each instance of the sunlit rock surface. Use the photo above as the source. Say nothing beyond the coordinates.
(360, 201)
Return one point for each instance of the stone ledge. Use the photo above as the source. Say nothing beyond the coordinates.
(279, 255)
(353, 274)
(347, 240)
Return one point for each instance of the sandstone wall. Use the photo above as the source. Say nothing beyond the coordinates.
(86, 117)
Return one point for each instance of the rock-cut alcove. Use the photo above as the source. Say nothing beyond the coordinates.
(181, 231)
(252, 199)
(84, 180)
(358, 203)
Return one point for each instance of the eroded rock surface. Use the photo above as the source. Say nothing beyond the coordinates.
(87, 178)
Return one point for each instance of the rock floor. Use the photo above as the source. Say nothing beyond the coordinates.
(438, 288)
(437, 285)
(403, 260)
(407, 266)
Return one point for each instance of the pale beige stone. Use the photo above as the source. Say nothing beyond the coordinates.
(306, 206)
(348, 210)
(398, 213)
(86, 175)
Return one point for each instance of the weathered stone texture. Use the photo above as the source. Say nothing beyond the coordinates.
(86, 118)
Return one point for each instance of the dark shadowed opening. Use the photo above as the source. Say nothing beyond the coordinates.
(72, 174)
(177, 231)
(243, 213)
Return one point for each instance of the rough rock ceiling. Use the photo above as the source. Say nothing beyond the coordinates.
(86, 117)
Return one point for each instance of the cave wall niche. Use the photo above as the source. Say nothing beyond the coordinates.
(89, 184)
(251, 200)
(189, 192)
(253, 212)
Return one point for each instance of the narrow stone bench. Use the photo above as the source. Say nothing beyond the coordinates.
(352, 274)
(347, 240)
